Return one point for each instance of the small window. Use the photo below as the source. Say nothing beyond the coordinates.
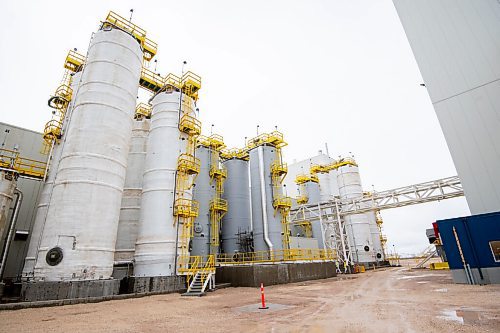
(495, 249)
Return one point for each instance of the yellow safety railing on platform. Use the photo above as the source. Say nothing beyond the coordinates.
(148, 46)
(10, 160)
(204, 265)
(276, 256)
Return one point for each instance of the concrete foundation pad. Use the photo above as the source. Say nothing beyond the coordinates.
(256, 307)
(59, 290)
(270, 274)
(161, 284)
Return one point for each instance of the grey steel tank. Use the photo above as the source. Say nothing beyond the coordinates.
(238, 217)
(314, 196)
(266, 222)
(7, 187)
(132, 191)
(203, 192)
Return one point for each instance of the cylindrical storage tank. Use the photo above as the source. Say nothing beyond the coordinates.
(7, 188)
(334, 186)
(263, 214)
(131, 200)
(324, 186)
(155, 249)
(237, 219)
(375, 234)
(203, 192)
(313, 194)
(79, 235)
(45, 194)
(357, 226)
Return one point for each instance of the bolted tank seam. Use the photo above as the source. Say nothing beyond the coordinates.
(92, 182)
(98, 156)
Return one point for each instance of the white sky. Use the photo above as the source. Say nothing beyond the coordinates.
(339, 71)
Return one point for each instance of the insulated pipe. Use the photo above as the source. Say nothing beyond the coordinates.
(11, 231)
(264, 198)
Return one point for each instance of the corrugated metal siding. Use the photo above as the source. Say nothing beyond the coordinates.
(457, 47)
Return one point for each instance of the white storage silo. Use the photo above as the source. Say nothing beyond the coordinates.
(79, 235)
(131, 200)
(358, 225)
(46, 193)
(155, 251)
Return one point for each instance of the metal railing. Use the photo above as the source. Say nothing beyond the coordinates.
(276, 256)
(186, 208)
(9, 159)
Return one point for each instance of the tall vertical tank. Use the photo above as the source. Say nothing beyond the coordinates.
(358, 225)
(155, 249)
(375, 234)
(46, 193)
(7, 188)
(131, 200)
(313, 195)
(236, 191)
(324, 186)
(79, 235)
(203, 192)
(266, 222)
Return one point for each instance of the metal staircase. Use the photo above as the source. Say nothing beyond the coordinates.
(199, 284)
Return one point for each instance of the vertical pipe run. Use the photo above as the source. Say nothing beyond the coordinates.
(264, 198)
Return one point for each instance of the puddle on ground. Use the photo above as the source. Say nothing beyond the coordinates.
(255, 307)
(420, 282)
(442, 290)
(417, 276)
(461, 316)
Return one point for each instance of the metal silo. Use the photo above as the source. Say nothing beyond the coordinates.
(358, 225)
(375, 234)
(155, 250)
(203, 192)
(266, 222)
(7, 188)
(79, 235)
(46, 193)
(313, 195)
(236, 224)
(131, 200)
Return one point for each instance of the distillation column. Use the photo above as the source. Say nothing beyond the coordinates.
(155, 251)
(236, 224)
(78, 239)
(131, 200)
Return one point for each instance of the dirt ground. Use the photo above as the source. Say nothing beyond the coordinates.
(390, 300)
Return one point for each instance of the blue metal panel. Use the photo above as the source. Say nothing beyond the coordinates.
(474, 232)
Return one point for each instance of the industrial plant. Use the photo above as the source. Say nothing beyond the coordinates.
(126, 196)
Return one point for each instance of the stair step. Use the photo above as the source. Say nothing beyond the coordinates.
(199, 294)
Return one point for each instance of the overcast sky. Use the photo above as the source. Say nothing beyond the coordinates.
(340, 72)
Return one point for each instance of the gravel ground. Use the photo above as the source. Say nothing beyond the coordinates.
(390, 300)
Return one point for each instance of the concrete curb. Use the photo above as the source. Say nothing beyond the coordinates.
(61, 302)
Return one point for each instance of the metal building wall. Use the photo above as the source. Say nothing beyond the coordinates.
(30, 144)
(457, 47)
